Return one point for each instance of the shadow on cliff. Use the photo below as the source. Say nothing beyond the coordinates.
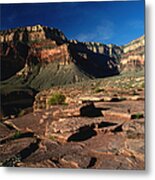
(13, 58)
(96, 65)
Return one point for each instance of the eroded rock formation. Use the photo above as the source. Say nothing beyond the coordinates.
(133, 55)
(31, 45)
(32, 33)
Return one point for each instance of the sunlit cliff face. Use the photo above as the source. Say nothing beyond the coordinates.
(30, 33)
(133, 55)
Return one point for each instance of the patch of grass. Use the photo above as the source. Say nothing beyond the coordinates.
(143, 85)
(65, 104)
(21, 113)
(97, 90)
(137, 116)
(52, 138)
(17, 134)
(57, 99)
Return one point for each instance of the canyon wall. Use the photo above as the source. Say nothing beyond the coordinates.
(23, 48)
(32, 33)
(110, 50)
(133, 55)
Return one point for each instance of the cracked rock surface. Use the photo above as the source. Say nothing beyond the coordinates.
(92, 132)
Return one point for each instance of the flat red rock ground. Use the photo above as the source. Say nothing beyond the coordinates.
(63, 137)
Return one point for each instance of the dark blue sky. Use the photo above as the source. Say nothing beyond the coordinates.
(106, 22)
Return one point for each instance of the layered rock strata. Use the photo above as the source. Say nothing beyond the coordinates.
(133, 55)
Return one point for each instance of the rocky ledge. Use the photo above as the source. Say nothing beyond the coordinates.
(101, 127)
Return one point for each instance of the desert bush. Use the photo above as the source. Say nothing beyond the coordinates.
(143, 85)
(137, 116)
(17, 134)
(57, 99)
(52, 138)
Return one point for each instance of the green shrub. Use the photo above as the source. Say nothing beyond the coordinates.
(57, 99)
(137, 116)
(17, 134)
(143, 85)
(97, 90)
(21, 113)
(52, 138)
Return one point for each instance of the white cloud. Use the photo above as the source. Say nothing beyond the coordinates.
(103, 32)
(85, 37)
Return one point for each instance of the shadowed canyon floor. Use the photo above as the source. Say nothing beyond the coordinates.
(100, 125)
